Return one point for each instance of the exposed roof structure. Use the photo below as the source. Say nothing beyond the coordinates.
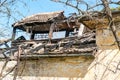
(39, 18)
(68, 46)
(42, 21)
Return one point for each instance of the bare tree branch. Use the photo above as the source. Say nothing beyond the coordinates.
(110, 18)
(71, 5)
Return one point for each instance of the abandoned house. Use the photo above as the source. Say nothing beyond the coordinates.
(42, 27)
(43, 57)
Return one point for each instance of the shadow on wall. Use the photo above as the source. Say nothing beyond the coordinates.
(68, 67)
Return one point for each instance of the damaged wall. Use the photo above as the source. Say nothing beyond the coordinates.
(59, 68)
(106, 65)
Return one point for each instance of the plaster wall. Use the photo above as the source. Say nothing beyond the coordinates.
(106, 65)
(60, 68)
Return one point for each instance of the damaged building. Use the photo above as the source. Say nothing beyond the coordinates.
(42, 27)
(43, 57)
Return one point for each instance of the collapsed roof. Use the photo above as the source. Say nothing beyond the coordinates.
(68, 46)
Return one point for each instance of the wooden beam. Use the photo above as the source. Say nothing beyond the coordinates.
(13, 34)
(67, 33)
(32, 35)
(81, 30)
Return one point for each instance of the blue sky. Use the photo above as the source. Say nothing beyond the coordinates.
(38, 6)
(33, 7)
